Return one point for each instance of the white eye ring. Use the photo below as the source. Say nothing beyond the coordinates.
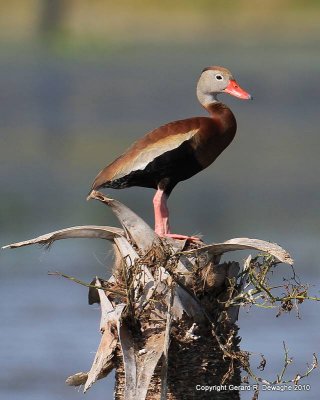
(219, 77)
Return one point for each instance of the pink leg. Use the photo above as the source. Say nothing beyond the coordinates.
(161, 213)
(161, 218)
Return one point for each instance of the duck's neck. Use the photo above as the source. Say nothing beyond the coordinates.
(223, 119)
(209, 101)
(218, 110)
(206, 99)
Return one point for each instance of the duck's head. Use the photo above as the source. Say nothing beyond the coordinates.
(215, 80)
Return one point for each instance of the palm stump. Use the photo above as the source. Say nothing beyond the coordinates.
(168, 319)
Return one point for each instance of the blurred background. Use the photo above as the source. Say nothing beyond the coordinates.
(79, 81)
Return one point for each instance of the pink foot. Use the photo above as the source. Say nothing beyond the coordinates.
(183, 237)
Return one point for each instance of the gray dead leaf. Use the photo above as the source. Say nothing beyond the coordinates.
(126, 250)
(245, 244)
(129, 361)
(130, 256)
(103, 359)
(104, 355)
(106, 306)
(146, 294)
(147, 362)
(77, 379)
(139, 370)
(138, 230)
(85, 231)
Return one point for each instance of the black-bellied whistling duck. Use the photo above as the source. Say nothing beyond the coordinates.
(178, 150)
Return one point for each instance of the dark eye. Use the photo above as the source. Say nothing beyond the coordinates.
(219, 77)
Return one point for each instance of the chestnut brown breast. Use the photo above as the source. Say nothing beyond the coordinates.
(171, 153)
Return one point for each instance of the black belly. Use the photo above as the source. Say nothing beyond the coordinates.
(165, 170)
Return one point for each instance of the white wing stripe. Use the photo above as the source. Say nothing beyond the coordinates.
(153, 151)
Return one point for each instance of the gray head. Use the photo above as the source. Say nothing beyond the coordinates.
(214, 80)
